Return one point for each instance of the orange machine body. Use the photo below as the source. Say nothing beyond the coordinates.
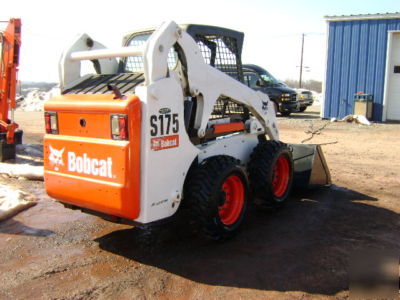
(86, 167)
(11, 43)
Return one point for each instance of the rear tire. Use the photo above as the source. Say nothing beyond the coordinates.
(303, 108)
(271, 173)
(216, 194)
(285, 113)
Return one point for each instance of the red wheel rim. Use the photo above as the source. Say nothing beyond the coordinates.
(230, 211)
(281, 175)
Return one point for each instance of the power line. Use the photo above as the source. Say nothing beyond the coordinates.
(280, 36)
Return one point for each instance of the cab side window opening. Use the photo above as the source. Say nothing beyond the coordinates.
(135, 63)
(221, 52)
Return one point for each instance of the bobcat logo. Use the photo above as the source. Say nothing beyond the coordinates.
(55, 157)
(265, 107)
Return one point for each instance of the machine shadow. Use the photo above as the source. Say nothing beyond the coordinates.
(303, 247)
(15, 227)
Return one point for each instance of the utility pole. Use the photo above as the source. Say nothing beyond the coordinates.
(301, 59)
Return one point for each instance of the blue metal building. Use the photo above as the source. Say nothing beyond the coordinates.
(363, 55)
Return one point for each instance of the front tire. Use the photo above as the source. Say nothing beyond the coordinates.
(216, 193)
(271, 173)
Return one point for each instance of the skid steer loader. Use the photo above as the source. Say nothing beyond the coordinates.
(169, 122)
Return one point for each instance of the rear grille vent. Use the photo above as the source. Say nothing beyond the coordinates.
(97, 84)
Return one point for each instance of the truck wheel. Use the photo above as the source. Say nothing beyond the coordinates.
(303, 108)
(216, 194)
(285, 113)
(271, 173)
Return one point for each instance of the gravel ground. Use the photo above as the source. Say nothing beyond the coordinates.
(302, 251)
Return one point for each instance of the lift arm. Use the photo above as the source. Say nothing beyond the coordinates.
(10, 41)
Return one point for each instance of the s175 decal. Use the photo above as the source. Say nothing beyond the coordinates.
(164, 124)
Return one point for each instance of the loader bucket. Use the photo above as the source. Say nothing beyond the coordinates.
(310, 167)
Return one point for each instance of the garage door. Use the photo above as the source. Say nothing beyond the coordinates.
(393, 84)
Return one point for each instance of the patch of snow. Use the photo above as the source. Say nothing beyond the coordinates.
(28, 163)
(22, 170)
(35, 98)
(13, 201)
(357, 119)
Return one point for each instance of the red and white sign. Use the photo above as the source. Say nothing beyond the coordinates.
(165, 142)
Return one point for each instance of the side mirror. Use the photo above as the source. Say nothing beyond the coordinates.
(259, 82)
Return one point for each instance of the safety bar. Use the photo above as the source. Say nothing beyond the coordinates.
(107, 53)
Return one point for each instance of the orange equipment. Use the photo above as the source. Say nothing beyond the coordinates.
(10, 41)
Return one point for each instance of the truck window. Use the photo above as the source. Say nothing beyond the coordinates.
(269, 79)
(251, 80)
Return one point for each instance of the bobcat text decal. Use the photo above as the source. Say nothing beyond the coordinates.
(81, 164)
(165, 142)
(92, 166)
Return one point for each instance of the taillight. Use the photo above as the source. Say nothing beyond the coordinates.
(119, 127)
(51, 122)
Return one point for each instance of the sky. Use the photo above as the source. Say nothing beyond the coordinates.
(273, 29)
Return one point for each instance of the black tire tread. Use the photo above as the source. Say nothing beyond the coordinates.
(199, 190)
(259, 168)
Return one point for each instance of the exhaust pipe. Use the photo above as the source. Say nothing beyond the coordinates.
(106, 53)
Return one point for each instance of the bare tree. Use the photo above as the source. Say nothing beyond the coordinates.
(313, 85)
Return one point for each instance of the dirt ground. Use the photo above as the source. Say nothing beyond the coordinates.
(302, 251)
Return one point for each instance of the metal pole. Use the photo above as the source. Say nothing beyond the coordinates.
(301, 59)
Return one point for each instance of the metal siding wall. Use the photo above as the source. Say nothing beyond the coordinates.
(329, 73)
(345, 102)
(336, 80)
(362, 57)
(380, 70)
(371, 57)
(393, 24)
(356, 63)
